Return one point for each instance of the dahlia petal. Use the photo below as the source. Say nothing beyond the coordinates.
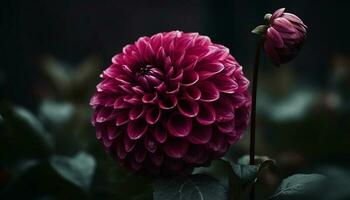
(138, 90)
(159, 134)
(202, 40)
(207, 70)
(224, 109)
(104, 114)
(173, 164)
(107, 142)
(137, 128)
(275, 37)
(142, 80)
(179, 126)
(243, 84)
(277, 13)
(157, 158)
(302, 30)
(233, 138)
(290, 37)
(200, 134)
(167, 65)
(176, 148)
(136, 166)
(226, 85)
(117, 59)
(148, 54)
(156, 73)
(132, 99)
(183, 42)
(136, 112)
(99, 133)
(198, 51)
(226, 127)
(168, 44)
(209, 92)
(188, 108)
(121, 153)
(156, 41)
(150, 143)
(293, 18)
(161, 55)
(196, 154)
(112, 132)
(283, 25)
(169, 70)
(272, 53)
(179, 56)
(152, 80)
(168, 102)
(206, 114)
(131, 59)
(239, 99)
(193, 37)
(120, 103)
(189, 78)
(190, 62)
(95, 100)
(128, 49)
(140, 155)
(153, 115)
(109, 85)
(161, 87)
(150, 98)
(141, 45)
(122, 118)
(111, 71)
(173, 88)
(193, 93)
(217, 143)
(178, 76)
(218, 52)
(122, 79)
(126, 88)
(129, 144)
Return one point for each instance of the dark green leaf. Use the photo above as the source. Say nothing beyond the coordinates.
(194, 187)
(260, 30)
(337, 185)
(298, 186)
(17, 183)
(222, 170)
(25, 136)
(246, 173)
(56, 112)
(78, 170)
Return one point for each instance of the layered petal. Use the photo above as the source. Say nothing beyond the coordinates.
(174, 101)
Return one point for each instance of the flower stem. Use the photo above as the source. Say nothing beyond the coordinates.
(253, 112)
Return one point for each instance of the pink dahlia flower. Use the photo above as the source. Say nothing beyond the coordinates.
(171, 102)
(285, 36)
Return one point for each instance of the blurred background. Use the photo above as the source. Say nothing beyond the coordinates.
(51, 55)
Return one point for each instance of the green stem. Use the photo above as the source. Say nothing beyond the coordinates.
(253, 112)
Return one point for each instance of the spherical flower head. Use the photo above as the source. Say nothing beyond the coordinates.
(171, 102)
(284, 36)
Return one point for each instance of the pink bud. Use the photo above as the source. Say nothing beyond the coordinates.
(285, 35)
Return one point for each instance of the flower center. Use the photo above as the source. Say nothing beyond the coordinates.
(144, 70)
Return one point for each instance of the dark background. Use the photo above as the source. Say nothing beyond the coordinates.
(73, 30)
(52, 52)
